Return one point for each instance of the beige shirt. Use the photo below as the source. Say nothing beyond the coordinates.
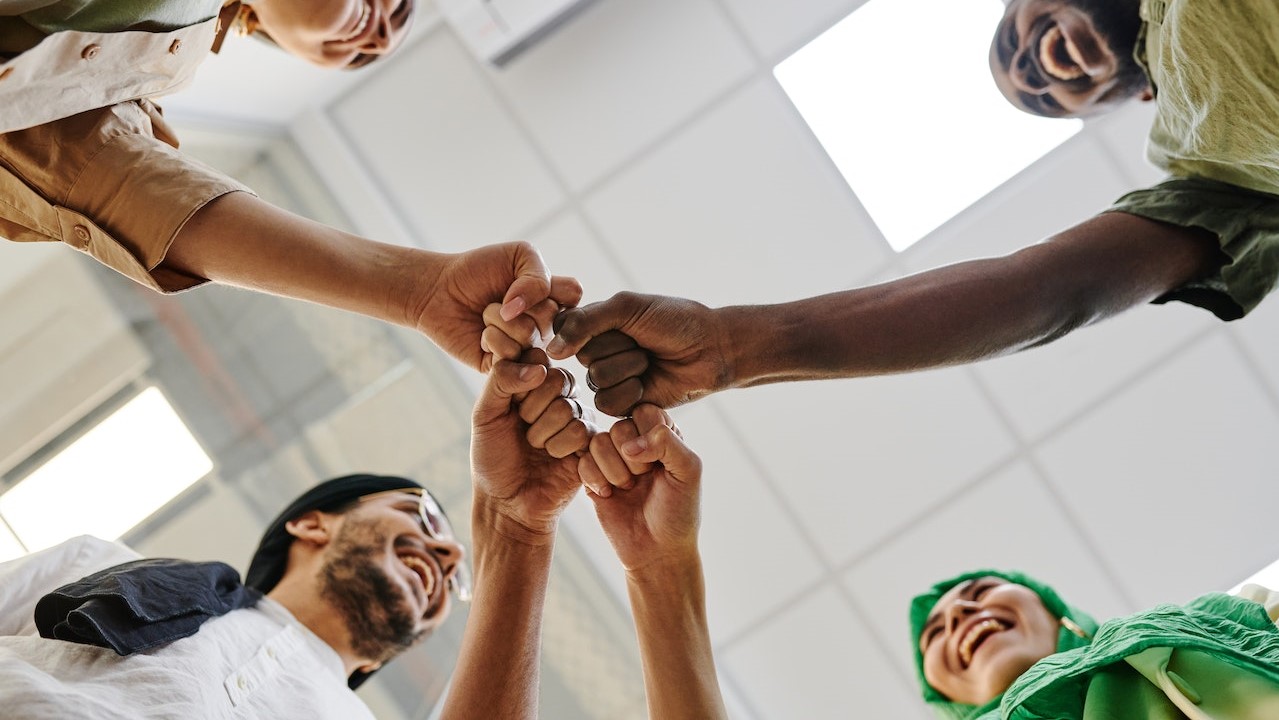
(87, 159)
(256, 662)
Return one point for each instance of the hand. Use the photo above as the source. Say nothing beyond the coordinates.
(650, 516)
(645, 348)
(527, 429)
(451, 311)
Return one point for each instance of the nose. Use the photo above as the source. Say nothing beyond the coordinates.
(1025, 75)
(958, 612)
(380, 42)
(449, 553)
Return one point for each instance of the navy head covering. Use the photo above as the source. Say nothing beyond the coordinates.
(272, 556)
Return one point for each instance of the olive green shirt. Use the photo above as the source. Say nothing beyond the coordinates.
(1214, 67)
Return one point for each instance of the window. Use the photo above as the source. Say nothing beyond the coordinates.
(107, 480)
(899, 94)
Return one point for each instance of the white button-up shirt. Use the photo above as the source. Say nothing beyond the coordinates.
(257, 662)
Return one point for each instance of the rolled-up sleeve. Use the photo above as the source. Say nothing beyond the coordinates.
(109, 182)
(1245, 223)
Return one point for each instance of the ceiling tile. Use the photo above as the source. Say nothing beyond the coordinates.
(815, 661)
(859, 459)
(441, 146)
(743, 206)
(1009, 522)
(619, 75)
(1174, 477)
(754, 558)
(1259, 333)
(1068, 185)
(777, 28)
(1043, 387)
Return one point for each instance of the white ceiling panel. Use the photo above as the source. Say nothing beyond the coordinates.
(1009, 521)
(1174, 478)
(778, 28)
(1044, 387)
(439, 144)
(814, 661)
(741, 207)
(860, 459)
(620, 75)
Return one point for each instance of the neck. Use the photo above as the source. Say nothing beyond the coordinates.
(320, 617)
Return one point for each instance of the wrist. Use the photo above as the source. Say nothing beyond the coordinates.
(490, 523)
(415, 276)
(667, 569)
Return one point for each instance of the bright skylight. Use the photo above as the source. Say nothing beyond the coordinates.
(110, 479)
(9, 546)
(900, 95)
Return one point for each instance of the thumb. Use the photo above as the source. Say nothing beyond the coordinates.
(533, 284)
(577, 326)
(506, 380)
(661, 444)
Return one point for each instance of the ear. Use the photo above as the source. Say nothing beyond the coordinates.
(1146, 95)
(370, 667)
(313, 527)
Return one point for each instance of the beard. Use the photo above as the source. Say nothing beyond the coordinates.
(1119, 23)
(373, 609)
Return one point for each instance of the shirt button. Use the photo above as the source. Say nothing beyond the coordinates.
(91, 52)
(270, 652)
(81, 233)
(241, 682)
(175, 46)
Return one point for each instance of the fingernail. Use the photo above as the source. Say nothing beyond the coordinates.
(636, 446)
(525, 372)
(605, 491)
(512, 309)
(555, 346)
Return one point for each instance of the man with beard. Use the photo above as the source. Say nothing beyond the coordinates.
(353, 572)
(1208, 236)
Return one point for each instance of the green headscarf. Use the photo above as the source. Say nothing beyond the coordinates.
(922, 605)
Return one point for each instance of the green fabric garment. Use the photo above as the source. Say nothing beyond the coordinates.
(24, 23)
(922, 606)
(1213, 66)
(1230, 629)
(1246, 223)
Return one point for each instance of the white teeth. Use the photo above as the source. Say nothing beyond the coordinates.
(1051, 63)
(980, 630)
(365, 16)
(423, 570)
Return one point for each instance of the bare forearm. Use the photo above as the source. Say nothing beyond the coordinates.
(969, 311)
(675, 646)
(497, 671)
(243, 241)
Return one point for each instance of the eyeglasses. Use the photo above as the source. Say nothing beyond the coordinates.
(436, 525)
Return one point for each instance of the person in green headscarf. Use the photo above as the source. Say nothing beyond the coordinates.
(993, 644)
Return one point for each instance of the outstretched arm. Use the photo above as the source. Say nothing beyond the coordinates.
(951, 315)
(520, 491)
(646, 484)
(241, 240)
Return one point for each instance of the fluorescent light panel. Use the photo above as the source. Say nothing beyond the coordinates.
(899, 94)
(110, 479)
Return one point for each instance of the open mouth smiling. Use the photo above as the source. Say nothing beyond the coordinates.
(1058, 55)
(428, 578)
(975, 636)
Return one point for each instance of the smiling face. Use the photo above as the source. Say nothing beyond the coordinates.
(387, 577)
(335, 33)
(1068, 58)
(982, 635)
